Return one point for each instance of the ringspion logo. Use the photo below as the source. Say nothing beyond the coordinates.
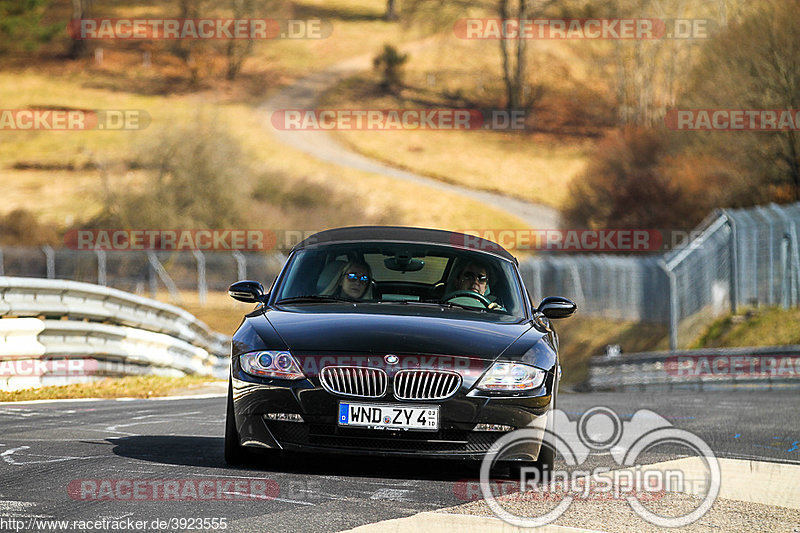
(581, 488)
(600, 431)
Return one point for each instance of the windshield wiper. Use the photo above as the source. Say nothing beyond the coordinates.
(406, 302)
(462, 306)
(314, 298)
(429, 303)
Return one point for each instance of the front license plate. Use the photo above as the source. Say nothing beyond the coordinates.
(383, 416)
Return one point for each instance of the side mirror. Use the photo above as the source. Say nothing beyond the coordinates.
(247, 291)
(557, 307)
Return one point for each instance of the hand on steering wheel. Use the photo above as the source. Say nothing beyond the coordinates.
(470, 294)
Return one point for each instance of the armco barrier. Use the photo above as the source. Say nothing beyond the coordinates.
(56, 331)
(761, 367)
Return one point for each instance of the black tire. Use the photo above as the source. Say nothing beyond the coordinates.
(235, 453)
(547, 455)
(545, 461)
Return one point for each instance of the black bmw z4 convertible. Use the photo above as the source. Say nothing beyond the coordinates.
(392, 341)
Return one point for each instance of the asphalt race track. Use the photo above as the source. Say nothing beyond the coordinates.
(48, 448)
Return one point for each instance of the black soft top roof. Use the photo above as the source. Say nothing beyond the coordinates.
(405, 234)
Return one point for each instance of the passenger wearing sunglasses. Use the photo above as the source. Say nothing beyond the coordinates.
(355, 281)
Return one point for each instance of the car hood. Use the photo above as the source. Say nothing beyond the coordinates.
(402, 332)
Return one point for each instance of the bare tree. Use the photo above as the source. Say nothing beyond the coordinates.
(391, 10)
(237, 50)
(187, 49)
(513, 51)
(647, 75)
(80, 10)
(755, 64)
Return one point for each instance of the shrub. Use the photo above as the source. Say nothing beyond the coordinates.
(194, 177)
(631, 181)
(390, 63)
(21, 227)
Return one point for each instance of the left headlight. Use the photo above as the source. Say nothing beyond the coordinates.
(511, 377)
(271, 364)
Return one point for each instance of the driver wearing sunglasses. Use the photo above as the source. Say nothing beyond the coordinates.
(473, 277)
(356, 279)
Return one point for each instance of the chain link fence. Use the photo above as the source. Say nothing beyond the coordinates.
(616, 287)
(738, 257)
(143, 272)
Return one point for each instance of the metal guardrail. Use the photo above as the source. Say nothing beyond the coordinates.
(760, 367)
(56, 332)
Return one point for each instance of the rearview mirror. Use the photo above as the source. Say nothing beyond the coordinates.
(557, 307)
(403, 262)
(247, 291)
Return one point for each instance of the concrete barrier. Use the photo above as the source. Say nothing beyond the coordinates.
(757, 367)
(58, 332)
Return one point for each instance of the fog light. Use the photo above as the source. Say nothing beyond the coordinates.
(493, 427)
(284, 417)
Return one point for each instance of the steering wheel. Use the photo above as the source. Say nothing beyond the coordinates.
(470, 294)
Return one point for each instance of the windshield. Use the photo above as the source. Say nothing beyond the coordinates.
(402, 273)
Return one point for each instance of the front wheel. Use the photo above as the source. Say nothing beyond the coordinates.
(235, 453)
(545, 462)
(547, 454)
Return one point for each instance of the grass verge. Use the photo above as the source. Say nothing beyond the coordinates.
(125, 387)
(584, 337)
(753, 327)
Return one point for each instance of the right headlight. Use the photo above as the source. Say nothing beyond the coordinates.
(271, 364)
(511, 377)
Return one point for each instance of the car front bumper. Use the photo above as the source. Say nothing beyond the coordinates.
(254, 399)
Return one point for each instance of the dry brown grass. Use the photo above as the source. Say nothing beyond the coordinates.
(583, 337)
(65, 196)
(536, 165)
(127, 387)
